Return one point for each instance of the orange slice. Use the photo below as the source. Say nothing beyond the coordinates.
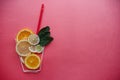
(23, 34)
(32, 61)
(22, 48)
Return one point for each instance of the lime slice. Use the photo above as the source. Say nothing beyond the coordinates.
(37, 48)
(33, 39)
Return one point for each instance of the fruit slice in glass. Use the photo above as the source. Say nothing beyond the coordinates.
(25, 69)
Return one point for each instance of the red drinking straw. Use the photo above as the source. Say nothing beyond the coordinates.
(40, 18)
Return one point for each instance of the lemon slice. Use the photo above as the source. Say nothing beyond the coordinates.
(23, 34)
(22, 48)
(36, 49)
(33, 39)
(32, 61)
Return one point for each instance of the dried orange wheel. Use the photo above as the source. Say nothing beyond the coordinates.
(23, 34)
(32, 61)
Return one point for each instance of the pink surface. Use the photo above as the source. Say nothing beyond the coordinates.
(86, 42)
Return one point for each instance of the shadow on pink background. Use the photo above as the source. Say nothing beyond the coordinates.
(86, 42)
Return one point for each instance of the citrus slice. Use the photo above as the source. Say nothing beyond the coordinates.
(37, 48)
(32, 61)
(23, 34)
(32, 49)
(33, 39)
(22, 48)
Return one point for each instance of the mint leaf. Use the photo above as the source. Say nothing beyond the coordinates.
(43, 31)
(44, 35)
(46, 40)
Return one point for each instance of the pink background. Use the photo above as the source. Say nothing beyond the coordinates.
(86, 42)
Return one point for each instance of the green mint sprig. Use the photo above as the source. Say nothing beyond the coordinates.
(44, 35)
